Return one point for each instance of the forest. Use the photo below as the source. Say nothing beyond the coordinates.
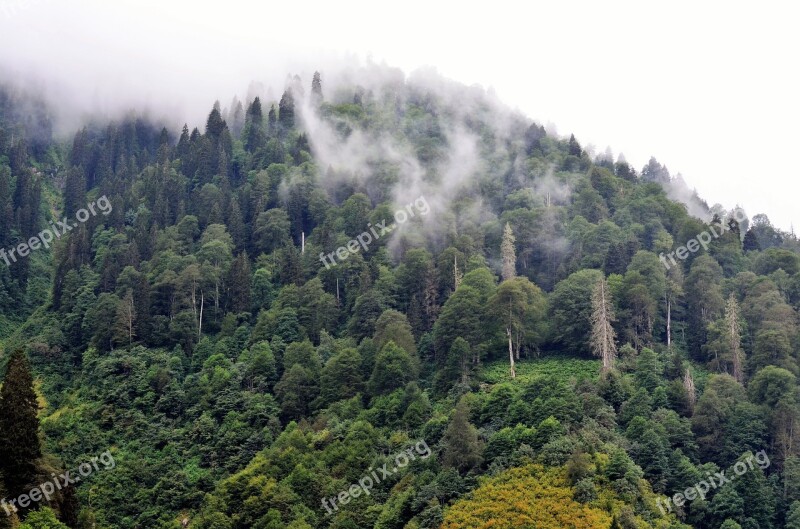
(226, 336)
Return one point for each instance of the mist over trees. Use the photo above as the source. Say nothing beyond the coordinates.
(525, 327)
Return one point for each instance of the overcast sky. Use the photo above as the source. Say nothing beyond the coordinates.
(710, 89)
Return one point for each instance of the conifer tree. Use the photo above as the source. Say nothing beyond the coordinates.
(272, 118)
(733, 333)
(750, 243)
(793, 519)
(19, 426)
(239, 284)
(237, 117)
(574, 146)
(456, 369)
(509, 254)
(215, 124)
(254, 126)
(125, 320)
(316, 88)
(286, 110)
(462, 445)
(603, 334)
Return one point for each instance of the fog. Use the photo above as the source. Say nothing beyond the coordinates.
(706, 89)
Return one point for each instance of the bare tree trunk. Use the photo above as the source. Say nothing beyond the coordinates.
(511, 354)
(194, 297)
(602, 334)
(200, 325)
(669, 324)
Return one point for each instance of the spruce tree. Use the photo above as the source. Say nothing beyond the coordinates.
(509, 254)
(793, 519)
(239, 284)
(254, 132)
(574, 146)
(286, 110)
(19, 426)
(316, 88)
(750, 243)
(462, 445)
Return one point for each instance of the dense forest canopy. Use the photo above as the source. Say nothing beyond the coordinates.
(276, 306)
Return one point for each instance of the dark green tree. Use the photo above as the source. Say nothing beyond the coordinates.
(20, 447)
(462, 447)
(286, 110)
(394, 368)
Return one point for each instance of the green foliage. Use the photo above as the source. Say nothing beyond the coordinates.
(43, 518)
(239, 380)
(19, 426)
(394, 368)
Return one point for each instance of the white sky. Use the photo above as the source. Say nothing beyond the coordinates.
(708, 88)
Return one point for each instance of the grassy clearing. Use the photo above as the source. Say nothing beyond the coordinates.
(561, 367)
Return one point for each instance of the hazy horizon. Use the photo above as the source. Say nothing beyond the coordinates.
(719, 111)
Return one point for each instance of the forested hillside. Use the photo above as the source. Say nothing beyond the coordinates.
(383, 302)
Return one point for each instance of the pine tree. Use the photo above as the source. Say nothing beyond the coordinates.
(316, 88)
(509, 254)
(237, 117)
(239, 284)
(750, 243)
(215, 124)
(603, 334)
(272, 118)
(462, 445)
(253, 130)
(236, 226)
(456, 369)
(125, 320)
(19, 426)
(793, 518)
(574, 146)
(286, 110)
(6, 207)
(733, 333)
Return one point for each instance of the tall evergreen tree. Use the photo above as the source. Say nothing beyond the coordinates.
(733, 333)
(239, 284)
(462, 446)
(316, 88)
(509, 253)
(574, 146)
(254, 123)
(750, 243)
(286, 110)
(793, 519)
(20, 447)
